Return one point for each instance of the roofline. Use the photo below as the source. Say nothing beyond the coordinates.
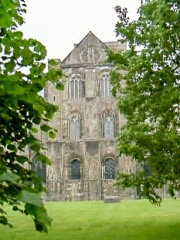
(76, 46)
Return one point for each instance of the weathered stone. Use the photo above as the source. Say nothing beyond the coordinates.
(111, 199)
(87, 109)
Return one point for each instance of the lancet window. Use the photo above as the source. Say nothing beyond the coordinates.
(76, 87)
(105, 85)
(75, 127)
(39, 168)
(75, 169)
(108, 124)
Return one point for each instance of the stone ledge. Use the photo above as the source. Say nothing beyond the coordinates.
(111, 199)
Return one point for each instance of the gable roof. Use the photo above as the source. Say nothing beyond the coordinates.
(89, 41)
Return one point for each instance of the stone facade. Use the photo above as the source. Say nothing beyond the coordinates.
(83, 154)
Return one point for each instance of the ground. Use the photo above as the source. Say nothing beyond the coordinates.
(127, 220)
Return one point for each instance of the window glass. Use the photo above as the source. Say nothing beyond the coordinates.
(75, 169)
(72, 88)
(105, 86)
(76, 90)
(76, 87)
(109, 125)
(109, 168)
(111, 128)
(147, 170)
(39, 168)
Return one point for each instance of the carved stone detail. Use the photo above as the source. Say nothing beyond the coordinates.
(91, 55)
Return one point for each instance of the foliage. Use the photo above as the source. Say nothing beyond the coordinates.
(149, 96)
(22, 77)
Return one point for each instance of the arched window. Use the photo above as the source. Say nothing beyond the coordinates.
(147, 169)
(109, 168)
(108, 124)
(75, 127)
(76, 87)
(105, 86)
(75, 169)
(39, 168)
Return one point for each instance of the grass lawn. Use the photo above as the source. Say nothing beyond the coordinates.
(127, 220)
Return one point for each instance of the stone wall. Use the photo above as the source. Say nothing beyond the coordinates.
(92, 147)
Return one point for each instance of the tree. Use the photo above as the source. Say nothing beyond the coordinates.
(22, 77)
(149, 96)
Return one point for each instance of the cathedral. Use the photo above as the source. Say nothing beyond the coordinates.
(84, 152)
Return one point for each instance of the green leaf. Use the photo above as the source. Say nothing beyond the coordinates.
(34, 130)
(45, 128)
(39, 107)
(11, 147)
(53, 62)
(29, 197)
(9, 176)
(15, 2)
(44, 159)
(18, 34)
(52, 134)
(6, 3)
(22, 159)
(54, 75)
(11, 87)
(36, 119)
(35, 146)
(60, 86)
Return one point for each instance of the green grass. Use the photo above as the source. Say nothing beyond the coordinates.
(127, 220)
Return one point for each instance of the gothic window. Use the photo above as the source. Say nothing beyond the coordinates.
(75, 169)
(147, 169)
(76, 87)
(108, 125)
(109, 168)
(75, 127)
(105, 86)
(39, 168)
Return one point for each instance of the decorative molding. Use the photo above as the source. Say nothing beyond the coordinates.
(91, 55)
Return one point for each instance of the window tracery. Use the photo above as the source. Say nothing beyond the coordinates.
(105, 85)
(75, 127)
(76, 87)
(109, 168)
(91, 55)
(108, 124)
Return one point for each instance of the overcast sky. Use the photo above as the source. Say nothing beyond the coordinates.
(58, 24)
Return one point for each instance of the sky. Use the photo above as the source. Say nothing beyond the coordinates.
(59, 24)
